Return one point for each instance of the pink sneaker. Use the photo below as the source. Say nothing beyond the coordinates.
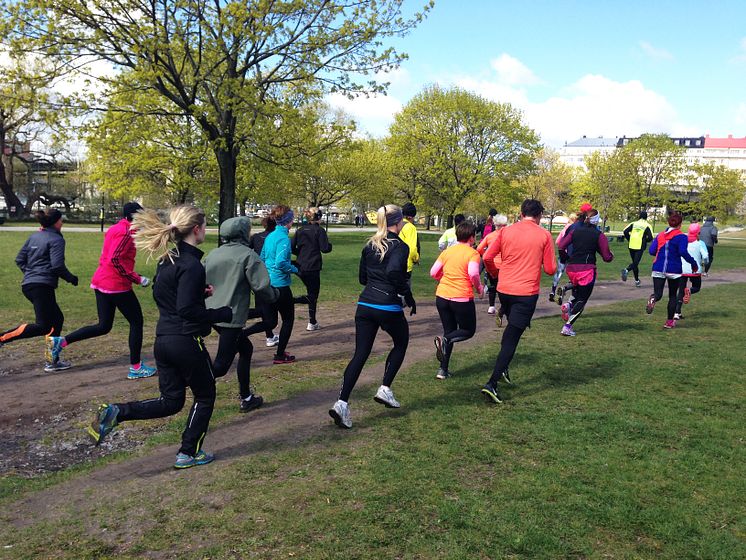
(669, 324)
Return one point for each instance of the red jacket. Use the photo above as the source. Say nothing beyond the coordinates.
(116, 267)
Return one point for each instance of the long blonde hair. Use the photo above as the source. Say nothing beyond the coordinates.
(377, 241)
(159, 239)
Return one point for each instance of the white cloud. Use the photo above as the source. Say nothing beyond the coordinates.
(374, 114)
(511, 71)
(655, 52)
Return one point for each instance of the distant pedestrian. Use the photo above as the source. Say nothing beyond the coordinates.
(408, 234)
(709, 236)
(309, 242)
(638, 234)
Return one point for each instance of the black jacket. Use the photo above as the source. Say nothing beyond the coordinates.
(179, 293)
(257, 240)
(385, 281)
(309, 242)
(42, 259)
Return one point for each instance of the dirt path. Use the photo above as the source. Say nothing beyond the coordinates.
(34, 401)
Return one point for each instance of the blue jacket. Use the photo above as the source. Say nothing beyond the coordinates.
(670, 255)
(276, 256)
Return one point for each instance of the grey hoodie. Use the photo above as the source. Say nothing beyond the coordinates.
(42, 259)
(709, 233)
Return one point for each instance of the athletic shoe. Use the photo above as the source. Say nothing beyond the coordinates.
(59, 365)
(625, 272)
(491, 310)
(341, 414)
(705, 274)
(565, 312)
(559, 292)
(251, 403)
(505, 376)
(551, 297)
(385, 396)
(143, 371)
(439, 344)
(567, 330)
(184, 461)
(104, 422)
(313, 327)
(273, 341)
(669, 324)
(491, 395)
(442, 374)
(284, 359)
(677, 316)
(54, 348)
(638, 283)
(651, 304)
(687, 295)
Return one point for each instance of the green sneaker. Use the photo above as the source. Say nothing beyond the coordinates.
(184, 461)
(104, 422)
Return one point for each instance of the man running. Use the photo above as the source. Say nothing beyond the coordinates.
(638, 234)
(525, 247)
(709, 236)
(448, 238)
(409, 236)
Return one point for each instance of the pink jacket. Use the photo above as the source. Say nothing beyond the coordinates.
(116, 267)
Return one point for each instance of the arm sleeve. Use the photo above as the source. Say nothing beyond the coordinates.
(628, 230)
(653, 250)
(566, 241)
(190, 298)
(549, 261)
(396, 268)
(362, 271)
(258, 278)
(703, 252)
(324, 245)
(442, 241)
(436, 271)
(116, 259)
(714, 235)
(492, 251)
(647, 237)
(57, 260)
(684, 250)
(22, 257)
(603, 248)
(473, 272)
(282, 260)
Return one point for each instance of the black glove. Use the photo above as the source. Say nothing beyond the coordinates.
(409, 300)
(74, 280)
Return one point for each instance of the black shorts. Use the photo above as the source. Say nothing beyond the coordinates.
(518, 309)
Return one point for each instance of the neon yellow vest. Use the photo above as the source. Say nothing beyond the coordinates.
(637, 233)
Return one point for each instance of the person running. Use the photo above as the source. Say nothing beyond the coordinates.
(112, 284)
(276, 256)
(309, 242)
(668, 248)
(42, 261)
(448, 238)
(409, 236)
(265, 309)
(179, 291)
(586, 240)
(383, 272)
(525, 247)
(698, 250)
(638, 234)
(563, 258)
(457, 271)
(234, 271)
(499, 221)
(709, 236)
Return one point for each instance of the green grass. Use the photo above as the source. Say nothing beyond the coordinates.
(598, 452)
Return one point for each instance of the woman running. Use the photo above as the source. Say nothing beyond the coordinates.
(276, 256)
(42, 261)
(309, 242)
(499, 221)
(179, 291)
(698, 250)
(265, 309)
(669, 248)
(383, 272)
(112, 284)
(457, 273)
(586, 240)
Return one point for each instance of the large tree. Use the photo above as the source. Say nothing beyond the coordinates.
(550, 182)
(720, 190)
(605, 182)
(219, 62)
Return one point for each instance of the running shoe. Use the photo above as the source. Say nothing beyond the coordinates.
(625, 272)
(687, 295)
(439, 344)
(385, 396)
(340, 412)
(651, 304)
(669, 324)
(284, 359)
(677, 316)
(505, 376)
(184, 461)
(442, 374)
(491, 395)
(142, 372)
(104, 422)
(559, 292)
(312, 327)
(638, 283)
(273, 341)
(551, 297)
(54, 348)
(567, 330)
(59, 365)
(491, 310)
(252, 402)
(565, 312)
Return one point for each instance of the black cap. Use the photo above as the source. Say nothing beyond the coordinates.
(409, 210)
(130, 209)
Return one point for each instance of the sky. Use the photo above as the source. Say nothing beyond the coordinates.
(579, 67)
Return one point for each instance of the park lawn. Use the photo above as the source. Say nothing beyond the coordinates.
(598, 452)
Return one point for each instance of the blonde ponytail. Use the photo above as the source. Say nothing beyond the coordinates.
(378, 240)
(160, 239)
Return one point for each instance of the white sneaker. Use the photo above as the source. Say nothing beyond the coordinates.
(491, 310)
(385, 396)
(313, 327)
(341, 414)
(274, 341)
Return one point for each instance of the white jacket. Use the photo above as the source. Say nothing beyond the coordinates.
(698, 251)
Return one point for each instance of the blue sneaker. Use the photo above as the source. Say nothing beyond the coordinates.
(142, 373)
(184, 461)
(104, 422)
(54, 348)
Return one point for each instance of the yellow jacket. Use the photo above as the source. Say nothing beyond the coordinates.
(408, 234)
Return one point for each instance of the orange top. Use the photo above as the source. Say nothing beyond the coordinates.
(486, 242)
(457, 270)
(524, 247)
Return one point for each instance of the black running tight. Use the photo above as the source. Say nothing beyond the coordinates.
(286, 308)
(232, 341)
(673, 292)
(696, 286)
(634, 266)
(459, 320)
(580, 297)
(312, 281)
(49, 317)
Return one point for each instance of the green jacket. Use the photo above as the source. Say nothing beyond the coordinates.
(235, 270)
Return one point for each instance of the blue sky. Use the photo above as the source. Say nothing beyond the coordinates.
(595, 68)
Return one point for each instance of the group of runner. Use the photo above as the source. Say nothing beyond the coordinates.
(195, 298)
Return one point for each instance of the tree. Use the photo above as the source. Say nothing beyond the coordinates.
(720, 190)
(605, 182)
(549, 182)
(221, 62)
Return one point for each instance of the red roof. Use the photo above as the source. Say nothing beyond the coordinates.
(729, 142)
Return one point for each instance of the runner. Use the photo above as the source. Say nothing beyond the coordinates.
(42, 261)
(563, 258)
(499, 221)
(448, 238)
(112, 284)
(586, 240)
(234, 271)
(179, 291)
(383, 272)
(256, 242)
(638, 234)
(698, 250)
(409, 236)
(309, 242)
(524, 248)
(709, 236)
(457, 273)
(669, 247)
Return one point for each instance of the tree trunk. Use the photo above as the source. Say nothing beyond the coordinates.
(11, 199)
(242, 209)
(428, 221)
(449, 222)
(227, 165)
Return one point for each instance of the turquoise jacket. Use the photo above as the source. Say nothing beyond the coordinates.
(276, 255)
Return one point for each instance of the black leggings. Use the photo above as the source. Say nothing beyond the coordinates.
(634, 266)
(232, 341)
(49, 317)
(696, 286)
(711, 255)
(492, 290)
(268, 315)
(519, 310)
(107, 304)
(367, 322)
(673, 292)
(286, 308)
(182, 362)
(580, 297)
(312, 281)
(459, 319)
